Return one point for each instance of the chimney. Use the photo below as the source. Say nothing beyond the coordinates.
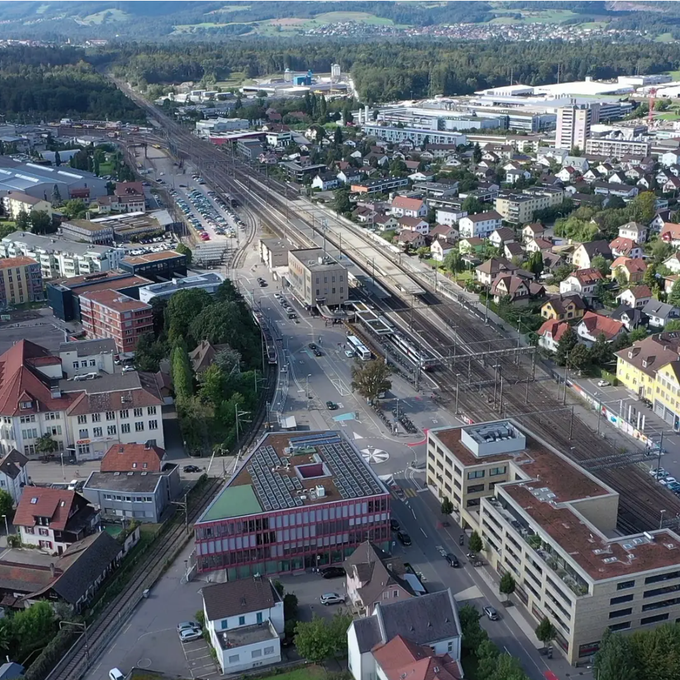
(52, 571)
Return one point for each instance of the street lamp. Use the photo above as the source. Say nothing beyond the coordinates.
(6, 525)
(309, 375)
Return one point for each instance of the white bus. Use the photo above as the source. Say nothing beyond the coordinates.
(358, 348)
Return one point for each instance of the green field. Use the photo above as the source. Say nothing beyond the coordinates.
(107, 15)
(307, 673)
(548, 16)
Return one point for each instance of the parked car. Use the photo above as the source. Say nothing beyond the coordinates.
(404, 538)
(116, 674)
(312, 346)
(332, 572)
(184, 625)
(331, 598)
(191, 468)
(331, 406)
(603, 383)
(394, 525)
(349, 353)
(491, 613)
(190, 634)
(452, 560)
(317, 351)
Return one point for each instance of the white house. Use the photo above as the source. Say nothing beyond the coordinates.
(636, 297)
(414, 224)
(550, 334)
(582, 282)
(592, 326)
(13, 474)
(449, 217)
(500, 237)
(408, 207)
(670, 158)
(88, 356)
(634, 231)
(244, 621)
(481, 225)
(325, 181)
(660, 313)
(395, 629)
(439, 250)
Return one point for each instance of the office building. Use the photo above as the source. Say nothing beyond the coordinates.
(20, 281)
(87, 231)
(209, 282)
(553, 526)
(417, 136)
(156, 266)
(573, 126)
(316, 278)
(111, 314)
(125, 226)
(520, 208)
(59, 257)
(297, 502)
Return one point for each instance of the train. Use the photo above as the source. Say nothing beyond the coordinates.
(416, 355)
(270, 344)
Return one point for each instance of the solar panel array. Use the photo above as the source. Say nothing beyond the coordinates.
(276, 491)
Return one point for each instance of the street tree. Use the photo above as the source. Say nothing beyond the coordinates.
(454, 261)
(321, 639)
(579, 357)
(45, 444)
(475, 543)
(674, 295)
(566, 343)
(41, 222)
(507, 584)
(472, 205)
(371, 378)
(615, 659)
(186, 251)
(447, 506)
(545, 631)
(473, 633)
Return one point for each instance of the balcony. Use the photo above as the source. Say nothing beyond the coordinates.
(558, 566)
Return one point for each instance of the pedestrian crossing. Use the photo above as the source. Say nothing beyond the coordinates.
(401, 493)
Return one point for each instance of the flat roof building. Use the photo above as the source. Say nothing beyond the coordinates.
(209, 282)
(20, 281)
(297, 502)
(87, 231)
(552, 525)
(317, 278)
(156, 266)
(274, 252)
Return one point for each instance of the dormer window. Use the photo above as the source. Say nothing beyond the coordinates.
(25, 404)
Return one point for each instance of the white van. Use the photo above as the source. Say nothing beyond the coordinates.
(116, 674)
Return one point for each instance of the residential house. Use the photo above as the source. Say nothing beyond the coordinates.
(670, 233)
(443, 232)
(375, 577)
(513, 250)
(518, 289)
(630, 317)
(636, 297)
(634, 231)
(414, 224)
(244, 622)
(625, 247)
(481, 224)
(538, 245)
(563, 307)
(429, 621)
(449, 217)
(617, 177)
(532, 231)
(592, 175)
(17, 202)
(636, 366)
(660, 313)
(325, 181)
(499, 237)
(582, 282)
(473, 244)
(402, 206)
(670, 158)
(673, 262)
(567, 174)
(486, 272)
(671, 185)
(440, 249)
(623, 191)
(52, 519)
(631, 270)
(411, 239)
(13, 474)
(585, 253)
(593, 326)
(350, 175)
(514, 173)
(133, 458)
(550, 334)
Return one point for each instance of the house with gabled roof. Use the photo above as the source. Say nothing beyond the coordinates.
(550, 334)
(13, 474)
(625, 247)
(408, 207)
(636, 297)
(594, 326)
(582, 281)
(632, 270)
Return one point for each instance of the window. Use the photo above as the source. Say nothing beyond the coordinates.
(151, 410)
(625, 584)
(137, 412)
(111, 430)
(259, 617)
(268, 651)
(620, 626)
(82, 420)
(497, 471)
(256, 653)
(97, 432)
(139, 426)
(110, 415)
(153, 424)
(233, 658)
(241, 620)
(621, 599)
(663, 577)
(475, 474)
(93, 362)
(125, 428)
(653, 619)
(620, 612)
(96, 417)
(125, 413)
(83, 434)
(474, 488)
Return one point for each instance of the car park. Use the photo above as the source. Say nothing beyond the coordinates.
(491, 613)
(331, 598)
(332, 572)
(404, 538)
(603, 383)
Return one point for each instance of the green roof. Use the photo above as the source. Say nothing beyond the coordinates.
(234, 501)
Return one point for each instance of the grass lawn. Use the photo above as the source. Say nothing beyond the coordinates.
(306, 673)
(668, 115)
(674, 74)
(105, 168)
(664, 38)
(548, 16)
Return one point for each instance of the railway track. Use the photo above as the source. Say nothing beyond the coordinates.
(481, 396)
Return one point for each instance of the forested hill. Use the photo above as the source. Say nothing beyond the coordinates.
(399, 69)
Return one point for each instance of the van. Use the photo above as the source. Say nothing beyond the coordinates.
(72, 485)
(116, 674)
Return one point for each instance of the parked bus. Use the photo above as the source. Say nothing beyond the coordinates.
(358, 347)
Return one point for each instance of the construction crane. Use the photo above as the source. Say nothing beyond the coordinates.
(651, 100)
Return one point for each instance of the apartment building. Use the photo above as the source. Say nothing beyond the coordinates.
(317, 278)
(418, 136)
(60, 257)
(520, 208)
(481, 225)
(552, 525)
(616, 148)
(111, 314)
(573, 126)
(20, 281)
(378, 186)
(16, 202)
(87, 231)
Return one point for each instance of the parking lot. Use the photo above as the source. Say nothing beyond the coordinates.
(39, 326)
(308, 588)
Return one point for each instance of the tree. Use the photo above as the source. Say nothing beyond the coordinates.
(566, 343)
(447, 506)
(278, 587)
(320, 639)
(487, 655)
(575, 151)
(229, 362)
(290, 606)
(615, 659)
(579, 357)
(475, 543)
(183, 307)
(643, 207)
(672, 325)
(649, 277)
(45, 444)
(454, 261)
(545, 631)
(535, 263)
(639, 333)
(186, 251)
(337, 136)
(33, 626)
(6, 504)
(23, 221)
(423, 252)
(341, 202)
(57, 159)
(600, 263)
(473, 633)
(41, 222)
(476, 153)
(182, 378)
(371, 379)
(74, 209)
(674, 295)
(601, 351)
(507, 584)
(472, 205)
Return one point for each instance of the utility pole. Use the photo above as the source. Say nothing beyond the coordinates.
(457, 386)
(83, 626)
(238, 415)
(519, 340)
(566, 377)
(571, 424)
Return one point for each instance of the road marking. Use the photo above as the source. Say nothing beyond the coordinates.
(423, 530)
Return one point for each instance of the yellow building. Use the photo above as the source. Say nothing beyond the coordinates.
(20, 281)
(563, 308)
(637, 366)
(520, 208)
(16, 202)
(552, 525)
(667, 393)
